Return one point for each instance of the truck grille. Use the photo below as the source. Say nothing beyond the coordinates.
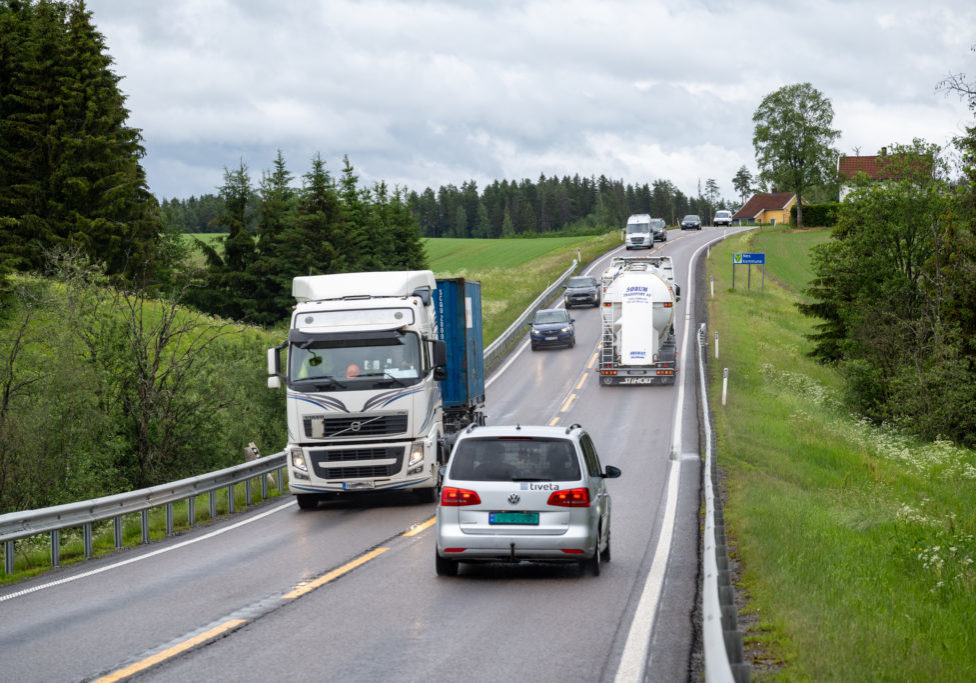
(338, 464)
(321, 427)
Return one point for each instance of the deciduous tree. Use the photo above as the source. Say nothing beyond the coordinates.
(793, 139)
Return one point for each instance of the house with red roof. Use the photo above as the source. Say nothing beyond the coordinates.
(879, 167)
(772, 208)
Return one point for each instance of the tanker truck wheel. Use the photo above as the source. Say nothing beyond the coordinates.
(607, 381)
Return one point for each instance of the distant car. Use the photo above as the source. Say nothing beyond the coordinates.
(659, 229)
(691, 222)
(516, 493)
(552, 327)
(723, 217)
(582, 291)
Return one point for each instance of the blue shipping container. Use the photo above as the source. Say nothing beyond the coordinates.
(458, 305)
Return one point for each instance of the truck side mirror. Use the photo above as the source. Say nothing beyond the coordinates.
(274, 367)
(677, 292)
(439, 359)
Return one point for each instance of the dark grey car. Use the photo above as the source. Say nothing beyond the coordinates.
(659, 229)
(582, 291)
(691, 222)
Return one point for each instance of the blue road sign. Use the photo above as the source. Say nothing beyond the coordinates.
(749, 259)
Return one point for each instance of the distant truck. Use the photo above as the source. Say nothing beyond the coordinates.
(382, 371)
(638, 342)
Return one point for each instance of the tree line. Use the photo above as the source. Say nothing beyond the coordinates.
(280, 231)
(551, 205)
(567, 205)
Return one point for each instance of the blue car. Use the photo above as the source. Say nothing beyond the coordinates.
(552, 327)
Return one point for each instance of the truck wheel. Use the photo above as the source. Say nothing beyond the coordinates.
(444, 566)
(307, 501)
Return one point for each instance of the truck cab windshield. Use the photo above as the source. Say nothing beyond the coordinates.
(354, 364)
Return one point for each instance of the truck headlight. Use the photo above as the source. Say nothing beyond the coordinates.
(297, 458)
(416, 454)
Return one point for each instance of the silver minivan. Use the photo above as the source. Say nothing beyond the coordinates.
(514, 493)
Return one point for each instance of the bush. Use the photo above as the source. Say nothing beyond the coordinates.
(819, 215)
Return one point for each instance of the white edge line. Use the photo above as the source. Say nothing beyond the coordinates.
(634, 657)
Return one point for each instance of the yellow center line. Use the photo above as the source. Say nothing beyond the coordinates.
(304, 588)
(580, 383)
(569, 399)
(171, 651)
(553, 421)
(589, 366)
(417, 528)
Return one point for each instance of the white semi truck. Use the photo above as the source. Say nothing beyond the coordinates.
(638, 343)
(382, 370)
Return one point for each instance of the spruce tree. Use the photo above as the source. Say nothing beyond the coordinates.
(71, 166)
(272, 266)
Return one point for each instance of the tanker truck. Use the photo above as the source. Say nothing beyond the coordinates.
(638, 344)
(382, 371)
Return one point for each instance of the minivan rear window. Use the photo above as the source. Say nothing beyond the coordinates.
(515, 460)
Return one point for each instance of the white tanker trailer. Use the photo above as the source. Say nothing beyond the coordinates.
(638, 344)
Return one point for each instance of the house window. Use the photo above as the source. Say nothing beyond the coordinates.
(772, 221)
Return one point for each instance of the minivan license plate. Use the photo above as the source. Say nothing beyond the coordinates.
(513, 517)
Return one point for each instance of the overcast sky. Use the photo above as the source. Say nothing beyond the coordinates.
(429, 93)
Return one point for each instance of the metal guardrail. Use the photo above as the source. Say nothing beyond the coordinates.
(721, 638)
(498, 348)
(86, 513)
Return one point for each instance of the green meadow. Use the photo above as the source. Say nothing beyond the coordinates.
(856, 544)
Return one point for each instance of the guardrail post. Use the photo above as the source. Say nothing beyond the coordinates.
(169, 519)
(264, 487)
(56, 548)
(144, 516)
(278, 477)
(191, 510)
(247, 493)
(8, 557)
(230, 500)
(86, 532)
(117, 524)
(213, 505)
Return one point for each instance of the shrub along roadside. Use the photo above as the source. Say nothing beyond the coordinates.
(856, 543)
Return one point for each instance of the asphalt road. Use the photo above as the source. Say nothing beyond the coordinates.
(348, 591)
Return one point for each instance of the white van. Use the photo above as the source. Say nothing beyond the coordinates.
(639, 234)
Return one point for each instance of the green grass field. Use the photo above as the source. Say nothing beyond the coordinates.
(856, 544)
(512, 272)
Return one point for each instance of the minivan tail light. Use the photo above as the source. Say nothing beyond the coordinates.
(571, 498)
(457, 497)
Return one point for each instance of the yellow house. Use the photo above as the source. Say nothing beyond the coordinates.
(767, 208)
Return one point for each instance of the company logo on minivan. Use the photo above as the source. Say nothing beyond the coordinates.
(535, 486)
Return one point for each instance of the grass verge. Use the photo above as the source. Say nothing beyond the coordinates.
(512, 272)
(856, 543)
